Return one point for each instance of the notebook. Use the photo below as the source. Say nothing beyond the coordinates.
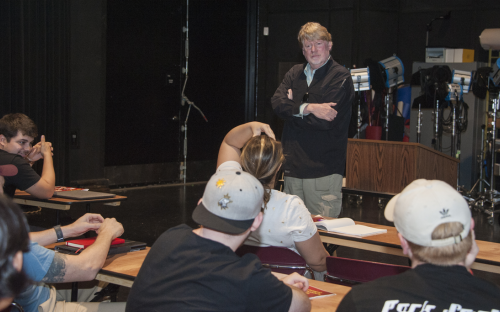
(83, 195)
(347, 226)
(128, 246)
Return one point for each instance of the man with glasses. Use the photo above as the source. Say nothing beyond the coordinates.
(315, 100)
(17, 132)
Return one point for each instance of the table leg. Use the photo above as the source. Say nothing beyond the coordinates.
(74, 292)
(57, 217)
(88, 208)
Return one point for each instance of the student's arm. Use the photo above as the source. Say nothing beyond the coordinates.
(313, 251)
(299, 285)
(44, 188)
(236, 139)
(86, 265)
(88, 222)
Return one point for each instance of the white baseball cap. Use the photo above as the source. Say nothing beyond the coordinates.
(422, 206)
(231, 201)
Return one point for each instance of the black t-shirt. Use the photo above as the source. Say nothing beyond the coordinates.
(25, 178)
(186, 272)
(425, 288)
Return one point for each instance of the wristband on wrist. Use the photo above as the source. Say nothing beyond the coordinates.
(59, 233)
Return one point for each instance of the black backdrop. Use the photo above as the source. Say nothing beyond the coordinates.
(145, 54)
(59, 57)
(34, 73)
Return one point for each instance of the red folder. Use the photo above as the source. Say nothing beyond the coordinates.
(86, 242)
(313, 292)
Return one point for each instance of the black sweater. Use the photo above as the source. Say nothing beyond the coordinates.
(314, 147)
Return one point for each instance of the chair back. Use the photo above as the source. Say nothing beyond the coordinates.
(278, 259)
(350, 272)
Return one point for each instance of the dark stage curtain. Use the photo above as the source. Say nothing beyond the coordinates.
(34, 50)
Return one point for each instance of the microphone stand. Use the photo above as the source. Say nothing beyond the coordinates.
(184, 128)
(184, 99)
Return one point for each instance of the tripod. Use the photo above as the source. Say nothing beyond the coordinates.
(480, 160)
(488, 199)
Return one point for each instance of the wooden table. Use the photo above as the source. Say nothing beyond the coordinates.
(329, 303)
(488, 258)
(122, 269)
(58, 203)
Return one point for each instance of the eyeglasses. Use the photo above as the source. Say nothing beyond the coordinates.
(305, 98)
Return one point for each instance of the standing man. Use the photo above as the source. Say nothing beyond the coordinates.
(17, 132)
(315, 100)
(436, 232)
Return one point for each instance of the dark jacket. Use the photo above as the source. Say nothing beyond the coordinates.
(314, 147)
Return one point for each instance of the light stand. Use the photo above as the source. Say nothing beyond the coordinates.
(436, 141)
(419, 122)
(361, 79)
(393, 75)
(480, 160)
(494, 85)
(490, 197)
(461, 83)
(387, 102)
(184, 99)
(493, 82)
(424, 78)
(493, 139)
(453, 96)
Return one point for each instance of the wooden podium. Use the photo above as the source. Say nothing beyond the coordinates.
(388, 167)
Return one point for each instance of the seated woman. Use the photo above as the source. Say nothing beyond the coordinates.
(287, 222)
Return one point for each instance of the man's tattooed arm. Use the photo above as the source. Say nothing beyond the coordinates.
(57, 270)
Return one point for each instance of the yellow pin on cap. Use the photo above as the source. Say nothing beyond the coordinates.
(220, 183)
